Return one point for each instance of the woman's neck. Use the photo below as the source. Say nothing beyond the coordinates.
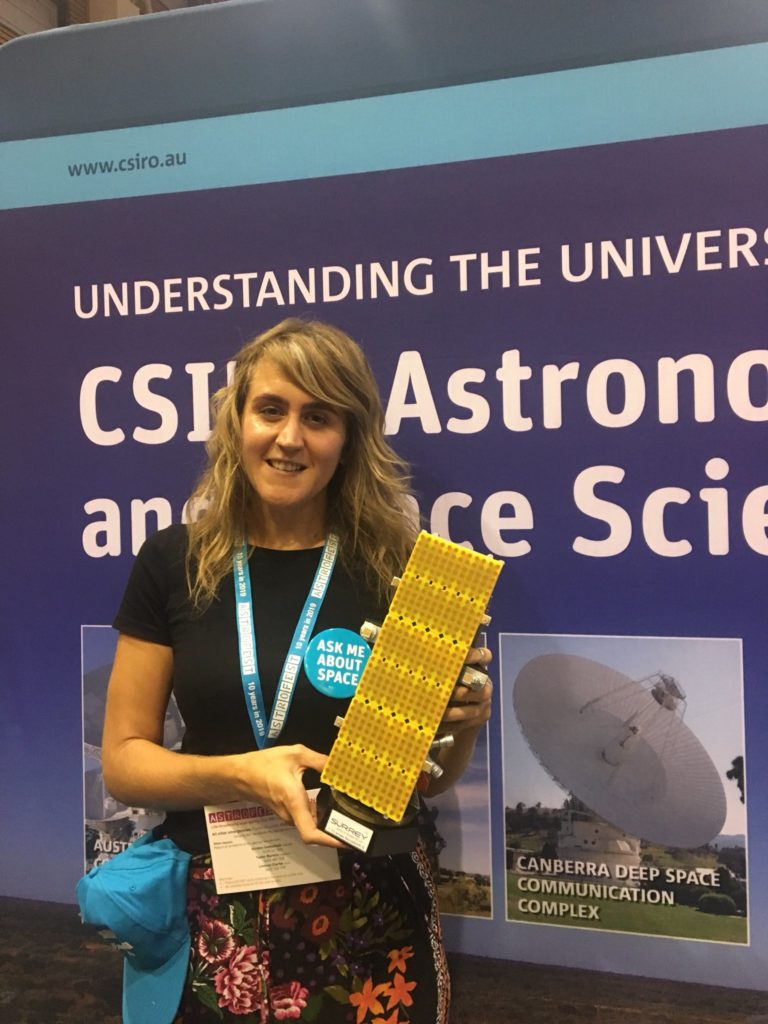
(291, 532)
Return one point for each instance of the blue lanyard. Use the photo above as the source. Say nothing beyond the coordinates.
(266, 734)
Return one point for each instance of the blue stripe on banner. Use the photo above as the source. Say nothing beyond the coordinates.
(692, 92)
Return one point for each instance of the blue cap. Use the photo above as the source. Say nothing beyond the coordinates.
(140, 896)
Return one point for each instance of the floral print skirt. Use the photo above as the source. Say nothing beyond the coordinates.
(365, 949)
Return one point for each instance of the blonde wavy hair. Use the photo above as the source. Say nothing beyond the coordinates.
(367, 496)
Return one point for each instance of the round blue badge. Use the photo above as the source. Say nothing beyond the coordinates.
(335, 660)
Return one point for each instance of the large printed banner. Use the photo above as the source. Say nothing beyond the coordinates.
(571, 346)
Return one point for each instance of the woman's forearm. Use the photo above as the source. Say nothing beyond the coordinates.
(141, 773)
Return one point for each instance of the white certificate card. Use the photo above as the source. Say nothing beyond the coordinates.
(251, 848)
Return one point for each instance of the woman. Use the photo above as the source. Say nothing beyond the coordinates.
(297, 455)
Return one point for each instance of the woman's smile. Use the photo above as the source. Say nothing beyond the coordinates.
(285, 467)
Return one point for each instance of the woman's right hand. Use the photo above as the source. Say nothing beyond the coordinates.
(273, 777)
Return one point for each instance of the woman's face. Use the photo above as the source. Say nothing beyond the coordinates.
(291, 444)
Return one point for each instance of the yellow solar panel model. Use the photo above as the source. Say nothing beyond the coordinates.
(418, 657)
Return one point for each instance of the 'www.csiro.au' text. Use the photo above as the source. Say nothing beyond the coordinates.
(137, 162)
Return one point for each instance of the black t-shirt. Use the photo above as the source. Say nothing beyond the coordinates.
(206, 667)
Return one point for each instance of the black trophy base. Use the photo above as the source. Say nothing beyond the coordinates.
(365, 829)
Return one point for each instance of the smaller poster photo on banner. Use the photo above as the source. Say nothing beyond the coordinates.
(109, 826)
(456, 829)
(624, 784)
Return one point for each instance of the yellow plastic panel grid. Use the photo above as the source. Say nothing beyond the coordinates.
(405, 687)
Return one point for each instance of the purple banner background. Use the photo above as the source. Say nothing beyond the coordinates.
(693, 183)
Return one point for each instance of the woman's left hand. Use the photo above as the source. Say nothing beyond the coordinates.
(469, 709)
